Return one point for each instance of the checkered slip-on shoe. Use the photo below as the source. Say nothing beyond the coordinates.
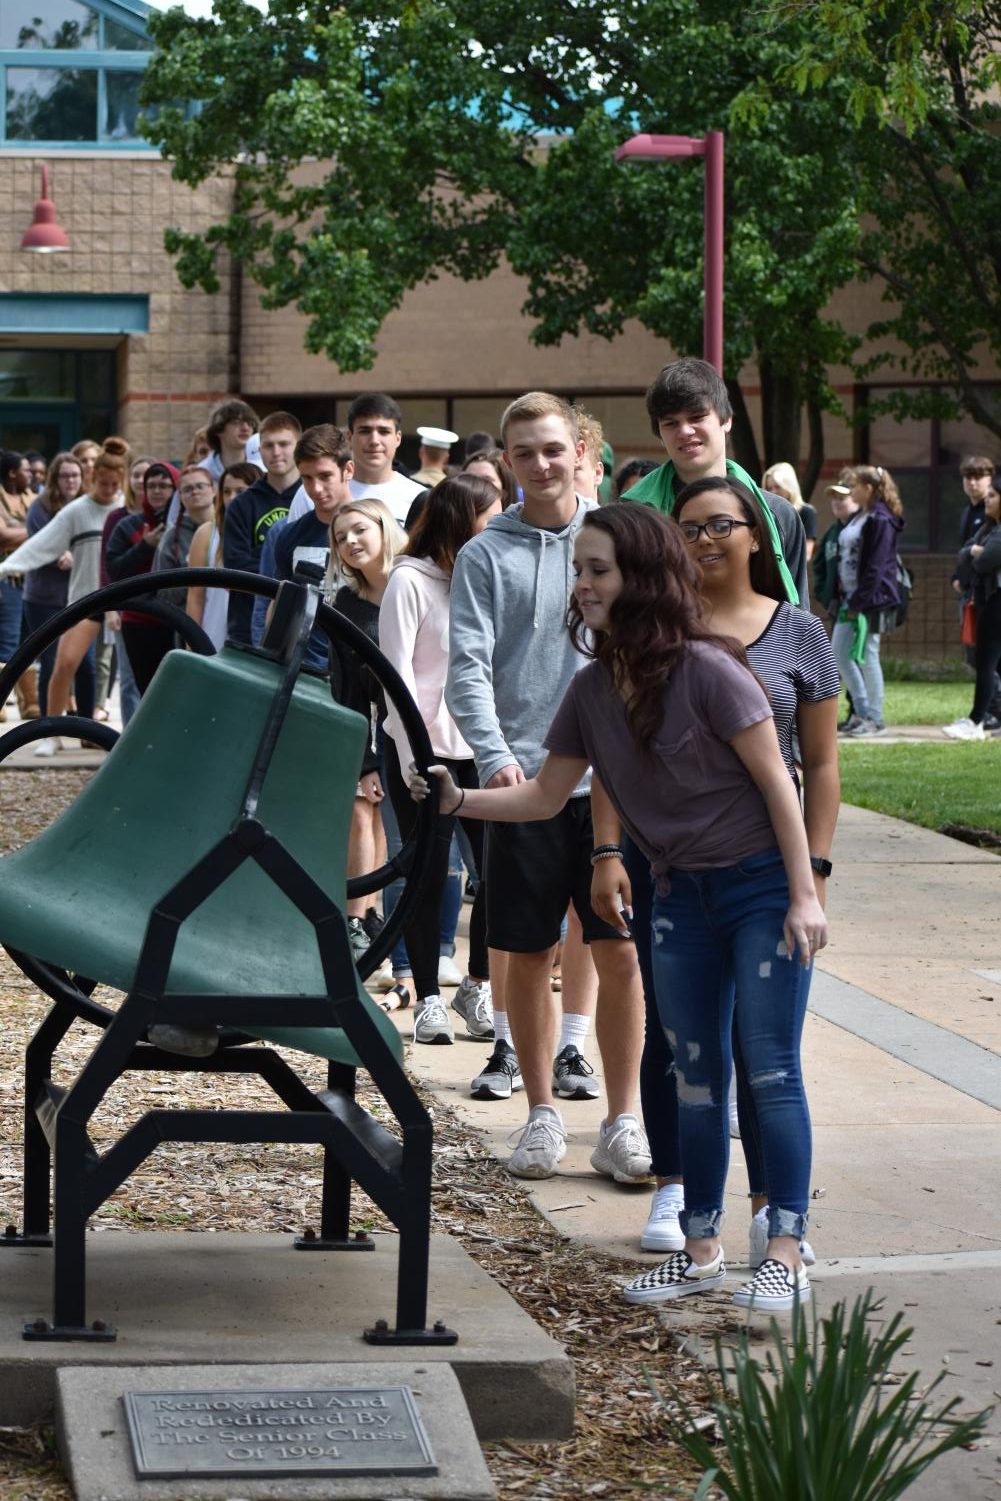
(774, 1288)
(676, 1277)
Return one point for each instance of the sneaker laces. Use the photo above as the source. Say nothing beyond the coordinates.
(545, 1131)
(666, 1204)
(480, 1003)
(626, 1129)
(433, 1009)
(503, 1060)
(572, 1061)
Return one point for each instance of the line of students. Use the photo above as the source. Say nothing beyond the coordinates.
(683, 740)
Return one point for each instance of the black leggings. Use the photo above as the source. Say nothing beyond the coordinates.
(423, 931)
(988, 655)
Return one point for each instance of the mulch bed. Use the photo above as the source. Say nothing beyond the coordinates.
(628, 1361)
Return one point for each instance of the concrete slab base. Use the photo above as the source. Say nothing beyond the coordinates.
(96, 1452)
(181, 1299)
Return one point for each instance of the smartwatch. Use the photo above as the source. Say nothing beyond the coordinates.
(820, 865)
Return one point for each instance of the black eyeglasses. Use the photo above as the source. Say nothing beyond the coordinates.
(717, 528)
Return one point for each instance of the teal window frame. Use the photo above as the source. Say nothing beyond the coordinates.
(102, 60)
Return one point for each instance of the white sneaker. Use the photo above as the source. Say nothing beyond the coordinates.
(46, 748)
(541, 1146)
(431, 1023)
(623, 1152)
(758, 1243)
(474, 1004)
(964, 729)
(662, 1231)
(449, 972)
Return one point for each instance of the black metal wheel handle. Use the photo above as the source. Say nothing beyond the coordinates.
(412, 862)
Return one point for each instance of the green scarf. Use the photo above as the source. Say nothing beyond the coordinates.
(657, 489)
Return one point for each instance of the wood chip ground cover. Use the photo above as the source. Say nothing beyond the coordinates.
(619, 1450)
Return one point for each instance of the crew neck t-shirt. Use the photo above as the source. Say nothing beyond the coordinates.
(690, 803)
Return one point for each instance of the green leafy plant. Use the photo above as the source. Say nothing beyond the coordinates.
(813, 1421)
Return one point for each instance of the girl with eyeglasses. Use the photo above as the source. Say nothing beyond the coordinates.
(681, 734)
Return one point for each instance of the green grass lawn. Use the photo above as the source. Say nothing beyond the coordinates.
(926, 784)
(925, 703)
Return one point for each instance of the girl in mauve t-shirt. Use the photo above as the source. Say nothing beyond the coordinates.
(681, 734)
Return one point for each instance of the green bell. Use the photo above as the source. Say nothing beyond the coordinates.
(80, 895)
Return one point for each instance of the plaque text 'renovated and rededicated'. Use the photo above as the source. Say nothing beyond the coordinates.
(328, 1431)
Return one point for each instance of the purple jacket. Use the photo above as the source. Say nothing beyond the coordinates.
(877, 567)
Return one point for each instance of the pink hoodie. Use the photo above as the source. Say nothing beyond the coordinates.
(413, 634)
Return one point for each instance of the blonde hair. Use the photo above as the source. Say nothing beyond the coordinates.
(394, 540)
(593, 434)
(536, 404)
(881, 485)
(783, 480)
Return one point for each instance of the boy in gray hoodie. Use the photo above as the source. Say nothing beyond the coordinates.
(510, 659)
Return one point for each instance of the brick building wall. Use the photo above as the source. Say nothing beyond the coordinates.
(931, 632)
(114, 210)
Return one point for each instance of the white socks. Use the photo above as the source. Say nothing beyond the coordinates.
(574, 1031)
(502, 1031)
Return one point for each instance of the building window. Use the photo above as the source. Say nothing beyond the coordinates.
(61, 24)
(70, 72)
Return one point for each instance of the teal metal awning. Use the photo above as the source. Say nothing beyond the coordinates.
(68, 313)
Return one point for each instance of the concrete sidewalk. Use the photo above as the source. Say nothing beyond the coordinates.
(903, 1063)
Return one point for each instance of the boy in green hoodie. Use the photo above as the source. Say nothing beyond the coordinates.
(690, 412)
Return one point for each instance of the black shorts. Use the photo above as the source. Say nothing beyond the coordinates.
(533, 872)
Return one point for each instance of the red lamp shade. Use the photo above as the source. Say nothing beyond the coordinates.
(45, 232)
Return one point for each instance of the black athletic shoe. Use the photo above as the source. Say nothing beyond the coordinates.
(500, 1076)
(573, 1075)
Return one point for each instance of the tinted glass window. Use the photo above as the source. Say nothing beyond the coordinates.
(51, 104)
(48, 23)
(121, 95)
(118, 38)
(38, 374)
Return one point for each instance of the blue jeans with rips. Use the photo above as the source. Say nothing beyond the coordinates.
(719, 962)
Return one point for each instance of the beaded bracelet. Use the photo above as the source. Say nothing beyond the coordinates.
(606, 852)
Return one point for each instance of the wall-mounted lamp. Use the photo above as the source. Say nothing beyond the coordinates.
(45, 233)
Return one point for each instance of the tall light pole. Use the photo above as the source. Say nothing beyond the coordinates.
(650, 148)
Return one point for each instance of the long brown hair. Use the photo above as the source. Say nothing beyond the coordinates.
(881, 484)
(656, 616)
(50, 496)
(447, 519)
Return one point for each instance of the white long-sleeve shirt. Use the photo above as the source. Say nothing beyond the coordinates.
(77, 528)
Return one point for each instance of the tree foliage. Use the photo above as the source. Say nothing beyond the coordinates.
(923, 91)
(396, 112)
(374, 146)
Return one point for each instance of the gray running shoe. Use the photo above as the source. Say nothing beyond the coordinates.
(474, 1004)
(541, 1146)
(501, 1075)
(573, 1075)
(623, 1152)
(431, 1023)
